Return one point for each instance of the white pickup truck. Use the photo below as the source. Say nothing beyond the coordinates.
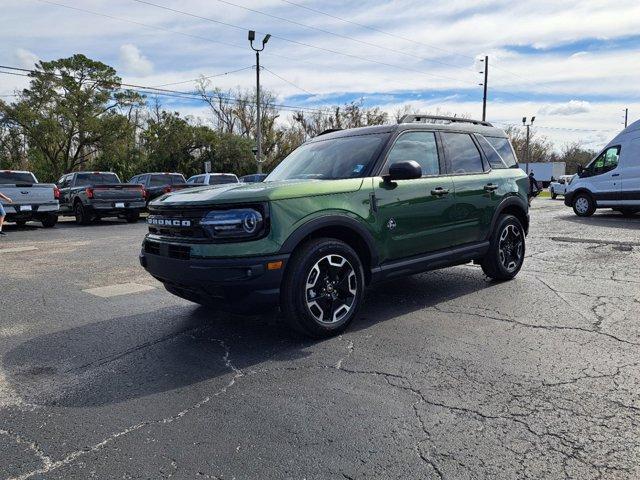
(31, 200)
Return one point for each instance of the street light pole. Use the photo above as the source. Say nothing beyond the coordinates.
(485, 85)
(252, 37)
(527, 154)
(626, 117)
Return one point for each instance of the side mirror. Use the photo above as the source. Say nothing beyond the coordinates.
(404, 171)
(580, 169)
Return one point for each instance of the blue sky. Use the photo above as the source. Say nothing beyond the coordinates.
(573, 64)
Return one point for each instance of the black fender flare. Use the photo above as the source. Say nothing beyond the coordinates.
(333, 220)
(511, 201)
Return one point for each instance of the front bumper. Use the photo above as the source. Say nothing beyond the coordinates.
(242, 285)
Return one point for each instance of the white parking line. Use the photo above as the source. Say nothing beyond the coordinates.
(17, 249)
(119, 289)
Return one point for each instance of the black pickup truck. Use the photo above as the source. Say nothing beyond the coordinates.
(94, 195)
(157, 184)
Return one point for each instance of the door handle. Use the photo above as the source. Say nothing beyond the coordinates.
(439, 191)
(615, 174)
(490, 187)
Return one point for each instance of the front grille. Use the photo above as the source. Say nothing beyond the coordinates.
(185, 224)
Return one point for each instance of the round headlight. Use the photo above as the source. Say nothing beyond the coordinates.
(251, 221)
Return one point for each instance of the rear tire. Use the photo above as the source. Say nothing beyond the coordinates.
(82, 218)
(132, 217)
(628, 212)
(506, 252)
(553, 195)
(323, 288)
(584, 205)
(50, 220)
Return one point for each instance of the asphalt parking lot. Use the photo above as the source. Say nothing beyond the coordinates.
(444, 375)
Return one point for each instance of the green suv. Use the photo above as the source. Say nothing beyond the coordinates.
(346, 209)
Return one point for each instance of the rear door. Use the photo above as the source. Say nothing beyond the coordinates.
(414, 216)
(476, 188)
(64, 185)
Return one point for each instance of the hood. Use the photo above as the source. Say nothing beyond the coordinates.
(257, 192)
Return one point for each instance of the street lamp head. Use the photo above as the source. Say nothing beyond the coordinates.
(524, 120)
(266, 39)
(533, 119)
(252, 35)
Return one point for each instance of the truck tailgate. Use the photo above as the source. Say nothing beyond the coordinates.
(29, 194)
(118, 192)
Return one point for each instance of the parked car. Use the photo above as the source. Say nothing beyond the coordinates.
(31, 200)
(157, 184)
(95, 195)
(346, 209)
(254, 178)
(559, 187)
(611, 179)
(213, 179)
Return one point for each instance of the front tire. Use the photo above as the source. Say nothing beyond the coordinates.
(554, 195)
(584, 205)
(21, 223)
(506, 252)
(322, 289)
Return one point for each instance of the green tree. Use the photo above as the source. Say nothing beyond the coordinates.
(66, 112)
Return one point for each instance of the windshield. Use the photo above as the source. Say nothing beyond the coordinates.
(165, 179)
(96, 179)
(220, 179)
(16, 177)
(331, 159)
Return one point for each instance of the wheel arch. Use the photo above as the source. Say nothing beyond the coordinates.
(512, 206)
(340, 227)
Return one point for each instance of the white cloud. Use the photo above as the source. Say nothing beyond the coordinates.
(572, 107)
(133, 61)
(25, 58)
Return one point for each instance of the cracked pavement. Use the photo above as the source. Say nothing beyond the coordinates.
(444, 375)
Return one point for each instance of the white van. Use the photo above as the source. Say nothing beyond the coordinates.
(612, 179)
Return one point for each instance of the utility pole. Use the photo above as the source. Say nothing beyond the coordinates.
(527, 154)
(252, 37)
(485, 85)
(626, 117)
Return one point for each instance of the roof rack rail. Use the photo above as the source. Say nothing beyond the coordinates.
(417, 118)
(329, 130)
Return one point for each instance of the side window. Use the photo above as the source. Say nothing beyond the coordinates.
(503, 147)
(418, 146)
(606, 161)
(61, 182)
(462, 153)
(495, 159)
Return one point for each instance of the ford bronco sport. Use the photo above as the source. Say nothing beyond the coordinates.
(346, 209)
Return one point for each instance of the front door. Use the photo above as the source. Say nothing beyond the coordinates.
(413, 216)
(605, 178)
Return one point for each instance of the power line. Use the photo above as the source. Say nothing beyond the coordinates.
(287, 81)
(340, 35)
(205, 77)
(304, 44)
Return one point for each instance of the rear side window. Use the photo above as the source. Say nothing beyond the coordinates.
(83, 179)
(462, 153)
(503, 147)
(495, 159)
(16, 177)
(420, 147)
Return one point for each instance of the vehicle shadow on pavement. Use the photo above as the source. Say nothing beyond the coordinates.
(606, 220)
(129, 357)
